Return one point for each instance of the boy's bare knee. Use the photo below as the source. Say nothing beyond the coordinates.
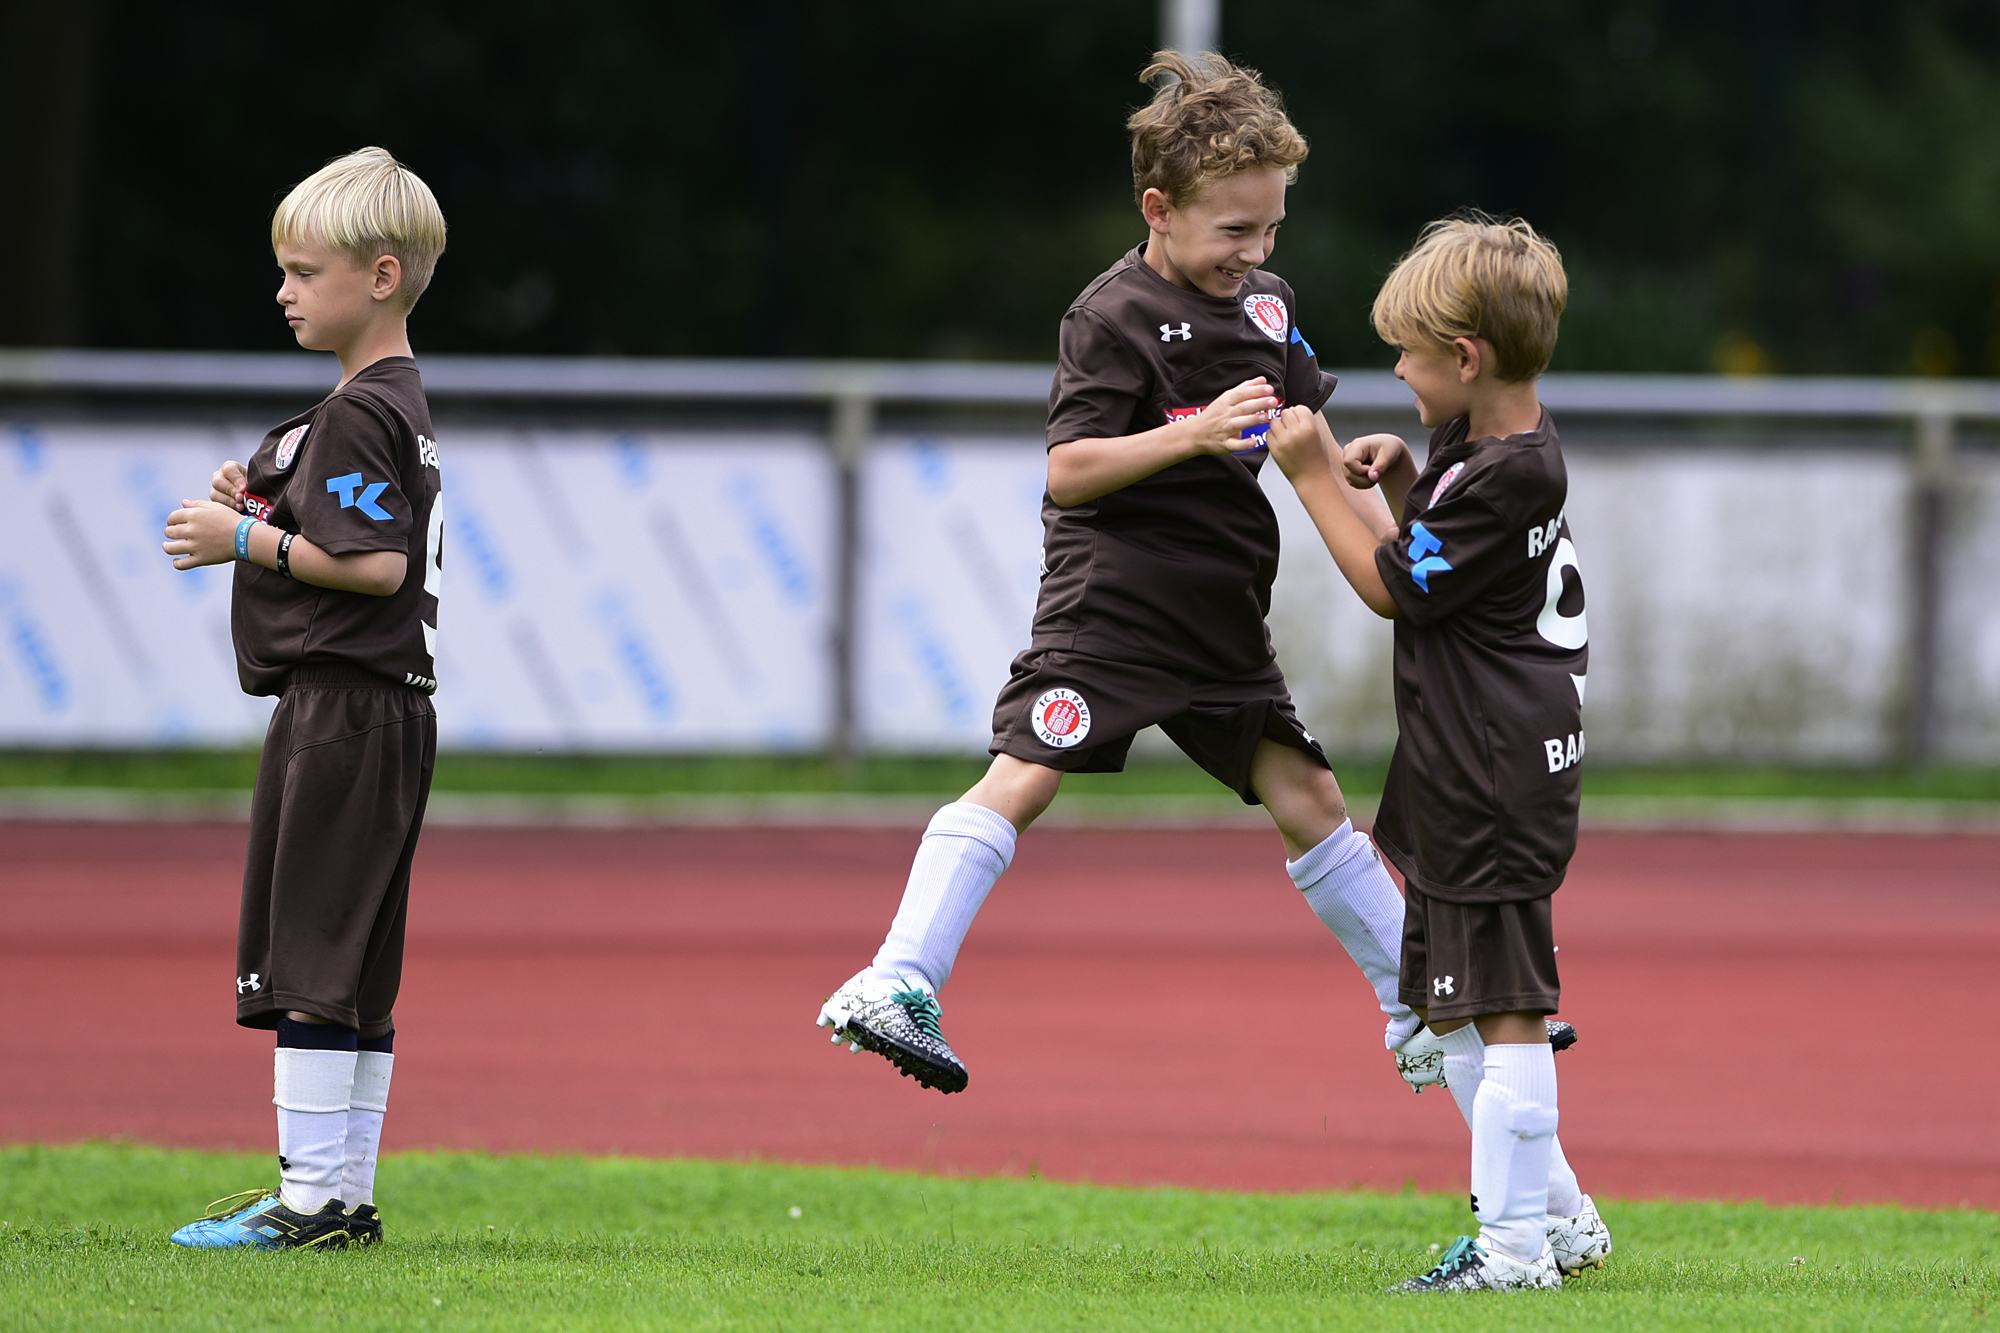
(1301, 794)
(1016, 790)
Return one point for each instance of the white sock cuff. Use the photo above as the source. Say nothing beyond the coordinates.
(1332, 852)
(1464, 1042)
(317, 1081)
(1528, 1069)
(963, 819)
(371, 1081)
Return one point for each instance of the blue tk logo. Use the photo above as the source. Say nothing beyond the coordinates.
(1425, 564)
(365, 501)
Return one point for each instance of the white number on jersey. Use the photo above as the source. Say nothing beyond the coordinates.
(1561, 630)
(434, 567)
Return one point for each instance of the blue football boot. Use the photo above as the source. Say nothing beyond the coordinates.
(260, 1219)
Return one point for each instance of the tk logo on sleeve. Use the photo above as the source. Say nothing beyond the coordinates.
(1424, 560)
(358, 494)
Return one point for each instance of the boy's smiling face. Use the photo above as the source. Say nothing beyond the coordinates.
(1213, 242)
(1441, 377)
(329, 300)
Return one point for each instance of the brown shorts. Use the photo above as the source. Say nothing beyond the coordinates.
(1079, 714)
(333, 826)
(1465, 960)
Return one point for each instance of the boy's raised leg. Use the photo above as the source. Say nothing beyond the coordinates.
(890, 1007)
(1339, 872)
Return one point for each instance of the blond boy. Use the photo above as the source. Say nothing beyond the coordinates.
(1479, 811)
(336, 527)
(1158, 555)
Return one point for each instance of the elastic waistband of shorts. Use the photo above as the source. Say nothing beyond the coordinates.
(336, 676)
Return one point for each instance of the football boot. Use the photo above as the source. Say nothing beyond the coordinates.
(259, 1219)
(1470, 1266)
(1579, 1242)
(896, 1018)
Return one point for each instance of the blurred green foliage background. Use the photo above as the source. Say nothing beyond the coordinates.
(1747, 186)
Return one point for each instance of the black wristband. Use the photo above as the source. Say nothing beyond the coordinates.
(285, 553)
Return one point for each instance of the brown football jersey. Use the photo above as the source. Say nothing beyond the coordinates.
(1492, 653)
(1174, 570)
(358, 472)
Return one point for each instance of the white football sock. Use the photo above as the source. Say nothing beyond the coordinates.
(1345, 885)
(1513, 1123)
(966, 848)
(1464, 1070)
(311, 1089)
(1565, 1195)
(1464, 1066)
(366, 1105)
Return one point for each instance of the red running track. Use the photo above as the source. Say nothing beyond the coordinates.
(1763, 1016)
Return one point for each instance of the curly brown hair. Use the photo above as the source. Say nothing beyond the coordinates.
(1211, 119)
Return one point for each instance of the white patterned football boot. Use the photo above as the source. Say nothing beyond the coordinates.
(1470, 1266)
(1579, 1242)
(897, 1018)
(1420, 1059)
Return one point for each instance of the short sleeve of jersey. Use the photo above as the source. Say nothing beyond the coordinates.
(1438, 564)
(349, 498)
(1305, 382)
(1100, 381)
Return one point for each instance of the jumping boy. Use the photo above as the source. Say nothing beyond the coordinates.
(1480, 808)
(1158, 557)
(336, 528)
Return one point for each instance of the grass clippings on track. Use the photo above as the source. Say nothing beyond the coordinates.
(479, 1242)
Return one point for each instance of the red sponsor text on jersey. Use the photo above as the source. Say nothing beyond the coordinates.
(257, 507)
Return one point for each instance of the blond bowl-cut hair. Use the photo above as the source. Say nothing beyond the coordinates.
(364, 205)
(1475, 276)
(1211, 119)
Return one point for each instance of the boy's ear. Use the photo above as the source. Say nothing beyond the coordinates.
(1154, 207)
(385, 277)
(1471, 358)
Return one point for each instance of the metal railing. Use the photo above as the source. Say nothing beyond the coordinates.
(851, 395)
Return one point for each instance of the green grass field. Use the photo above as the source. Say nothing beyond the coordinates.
(480, 1242)
(213, 770)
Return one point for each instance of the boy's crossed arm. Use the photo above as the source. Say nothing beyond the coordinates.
(1083, 470)
(1351, 522)
(203, 532)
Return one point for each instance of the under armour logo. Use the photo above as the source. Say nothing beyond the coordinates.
(1168, 332)
(248, 983)
(1441, 986)
(365, 502)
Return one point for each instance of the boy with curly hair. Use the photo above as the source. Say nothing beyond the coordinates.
(1159, 553)
(1480, 809)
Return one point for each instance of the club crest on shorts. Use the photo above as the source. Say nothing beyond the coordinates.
(1450, 475)
(288, 448)
(1061, 718)
(1269, 316)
